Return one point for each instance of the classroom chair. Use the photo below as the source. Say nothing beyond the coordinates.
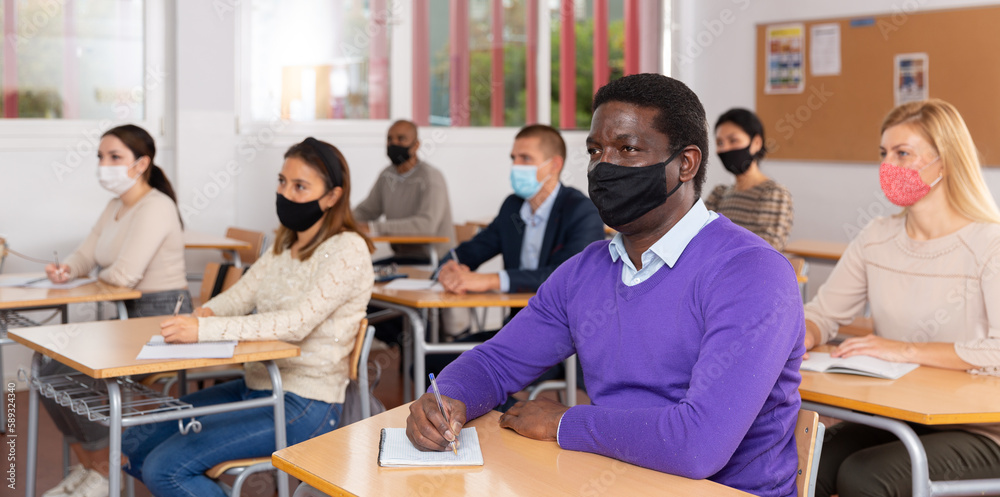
(809, 444)
(244, 468)
(801, 268)
(256, 240)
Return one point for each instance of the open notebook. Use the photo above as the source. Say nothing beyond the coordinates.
(859, 364)
(156, 348)
(396, 451)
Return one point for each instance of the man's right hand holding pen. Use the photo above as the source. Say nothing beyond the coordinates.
(428, 429)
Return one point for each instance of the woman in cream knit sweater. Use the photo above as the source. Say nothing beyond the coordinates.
(930, 277)
(310, 290)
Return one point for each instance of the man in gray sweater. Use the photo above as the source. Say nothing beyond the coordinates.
(411, 195)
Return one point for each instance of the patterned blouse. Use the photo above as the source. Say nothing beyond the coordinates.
(765, 209)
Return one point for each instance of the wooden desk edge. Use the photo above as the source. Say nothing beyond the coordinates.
(53, 301)
(155, 367)
(900, 414)
(218, 246)
(307, 476)
(458, 303)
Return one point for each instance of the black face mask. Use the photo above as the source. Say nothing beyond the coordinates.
(298, 216)
(624, 194)
(737, 161)
(398, 154)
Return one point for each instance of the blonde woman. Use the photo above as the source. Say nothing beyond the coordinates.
(929, 274)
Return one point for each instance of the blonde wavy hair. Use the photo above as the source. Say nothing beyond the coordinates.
(943, 127)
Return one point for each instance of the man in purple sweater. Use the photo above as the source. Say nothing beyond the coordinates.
(689, 328)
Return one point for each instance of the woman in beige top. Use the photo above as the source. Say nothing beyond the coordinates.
(136, 243)
(930, 277)
(311, 290)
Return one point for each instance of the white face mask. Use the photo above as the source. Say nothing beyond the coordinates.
(115, 179)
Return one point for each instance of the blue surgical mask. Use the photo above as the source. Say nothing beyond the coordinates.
(524, 179)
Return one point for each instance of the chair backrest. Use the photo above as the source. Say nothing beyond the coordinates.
(217, 279)
(254, 238)
(799, 264)
(359, 344)
(465, 232)
(809, 444)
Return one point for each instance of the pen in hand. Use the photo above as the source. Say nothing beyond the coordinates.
(59, 270)
(180, 300)
(437, 395)
(454, 256)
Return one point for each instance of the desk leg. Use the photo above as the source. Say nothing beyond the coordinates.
(31, 465)
(280, 441)
(414, 340)
(433, 255)
(122, 312)
(307, 490)
(918, 457)
(237, 262)
(114, 437)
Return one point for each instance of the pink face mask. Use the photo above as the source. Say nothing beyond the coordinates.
(903, 186)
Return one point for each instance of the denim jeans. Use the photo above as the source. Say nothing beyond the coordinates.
(90, 435)
(171, 464)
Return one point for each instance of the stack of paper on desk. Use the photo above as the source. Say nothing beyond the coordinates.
(159, 349)
(395, 450)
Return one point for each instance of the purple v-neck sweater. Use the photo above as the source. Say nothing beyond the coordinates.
(693, 372)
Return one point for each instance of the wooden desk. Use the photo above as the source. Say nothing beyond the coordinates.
(27, 299)
(816, 249)
(107, 350)
(414, 240)
(198, 240)
(344, 463)
(413, 305)
(927, 395)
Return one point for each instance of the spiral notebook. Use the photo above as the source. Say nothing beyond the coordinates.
(396, 451)
(157, 348)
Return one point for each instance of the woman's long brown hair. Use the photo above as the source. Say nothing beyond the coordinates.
(337, 219)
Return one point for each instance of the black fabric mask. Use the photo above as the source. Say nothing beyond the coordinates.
(298, 216)
(737, 161)
(398, 154)
(624, 194)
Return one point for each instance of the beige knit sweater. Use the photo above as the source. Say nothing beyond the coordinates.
(941, 290)
(142, 249)
(316, 304)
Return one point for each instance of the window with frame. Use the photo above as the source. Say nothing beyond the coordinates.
(72, 59)
(316, 60)
(491, 77)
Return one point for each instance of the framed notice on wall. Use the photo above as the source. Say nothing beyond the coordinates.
(911, 71)
(785, 48)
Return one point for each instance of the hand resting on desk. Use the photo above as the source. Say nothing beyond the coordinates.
(536, 419)
(458, 278)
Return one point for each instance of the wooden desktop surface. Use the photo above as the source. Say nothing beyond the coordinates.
(21, 298)
(434, 299)
(816, 249)
(107, 349)
(344, 463)
(198, 240)
(926, 395)
(410, 239)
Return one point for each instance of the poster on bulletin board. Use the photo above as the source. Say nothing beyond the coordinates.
(911, 71)
(785, 48)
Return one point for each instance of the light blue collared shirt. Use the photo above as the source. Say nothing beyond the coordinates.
(667, 249)
(534, 234)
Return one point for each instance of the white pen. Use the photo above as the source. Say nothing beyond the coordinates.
(180, 300)
(437, 395)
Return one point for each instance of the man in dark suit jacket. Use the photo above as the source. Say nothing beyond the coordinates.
(539, 227)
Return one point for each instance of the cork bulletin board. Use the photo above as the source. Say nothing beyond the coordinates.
(837, 117)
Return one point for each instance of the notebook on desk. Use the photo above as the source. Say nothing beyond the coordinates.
(396, 451)
(861, 365)
(157, 348)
